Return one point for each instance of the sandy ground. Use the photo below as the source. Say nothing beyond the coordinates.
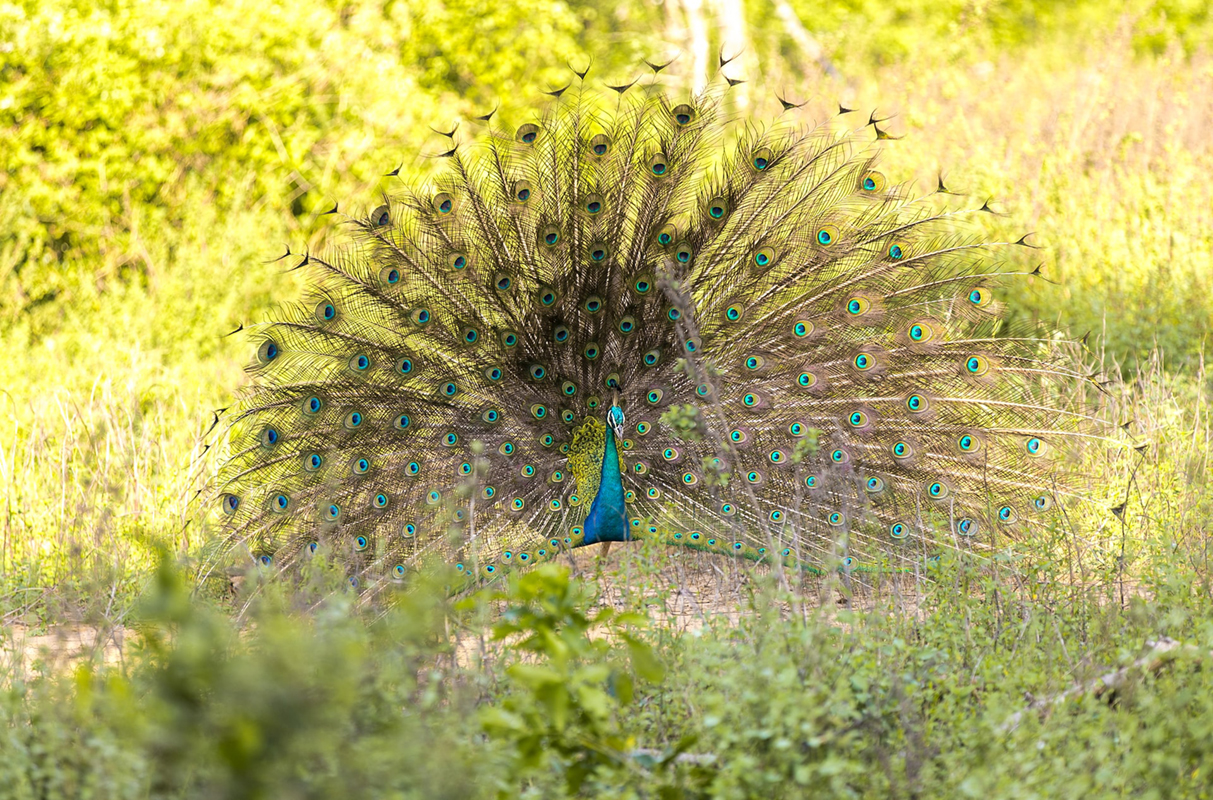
(61, 646)
(681, 593)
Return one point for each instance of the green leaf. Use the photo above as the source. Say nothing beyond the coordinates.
(592, 673)
(623, 687)
(555, 701)
(594, 701)
(632, 618)
(534, 676)
(499, 721)
(644, 661)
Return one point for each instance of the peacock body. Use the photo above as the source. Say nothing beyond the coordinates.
(629, 318)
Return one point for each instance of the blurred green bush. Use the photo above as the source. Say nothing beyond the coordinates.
(119, 120)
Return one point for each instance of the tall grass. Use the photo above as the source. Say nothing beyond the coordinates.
(1102, 157)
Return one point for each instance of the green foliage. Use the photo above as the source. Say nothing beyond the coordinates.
(807, 447)
(118, 118)
(110, 111)
(857, 32)
(486, 50)
(563, 711)
(922, 702)
(927, 700)
(290, 708)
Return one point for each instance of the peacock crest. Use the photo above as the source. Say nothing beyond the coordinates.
(630, 318)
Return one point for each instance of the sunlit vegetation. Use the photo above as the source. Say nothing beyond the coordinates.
(158, 157)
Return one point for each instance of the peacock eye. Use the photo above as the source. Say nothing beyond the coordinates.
(921, 332)
(858, 306)
(268, 351)
(976, 365)
(667, 235)
(527, 134)
(600, 145)
(871, 182)
(683, 115)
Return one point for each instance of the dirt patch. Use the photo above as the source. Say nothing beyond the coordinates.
(681, 590)
(684, 589)
(61, 646)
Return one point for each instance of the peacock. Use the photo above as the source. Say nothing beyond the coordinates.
(638, 315)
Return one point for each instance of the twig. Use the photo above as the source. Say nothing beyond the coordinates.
(699, 759)
(1161, 653)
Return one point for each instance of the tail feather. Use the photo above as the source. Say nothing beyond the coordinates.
(813, 362)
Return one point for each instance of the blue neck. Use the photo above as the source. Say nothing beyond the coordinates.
(608, 519)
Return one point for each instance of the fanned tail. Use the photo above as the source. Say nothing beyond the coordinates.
(811, 362)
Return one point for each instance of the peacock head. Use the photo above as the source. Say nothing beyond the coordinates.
(615, 420)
